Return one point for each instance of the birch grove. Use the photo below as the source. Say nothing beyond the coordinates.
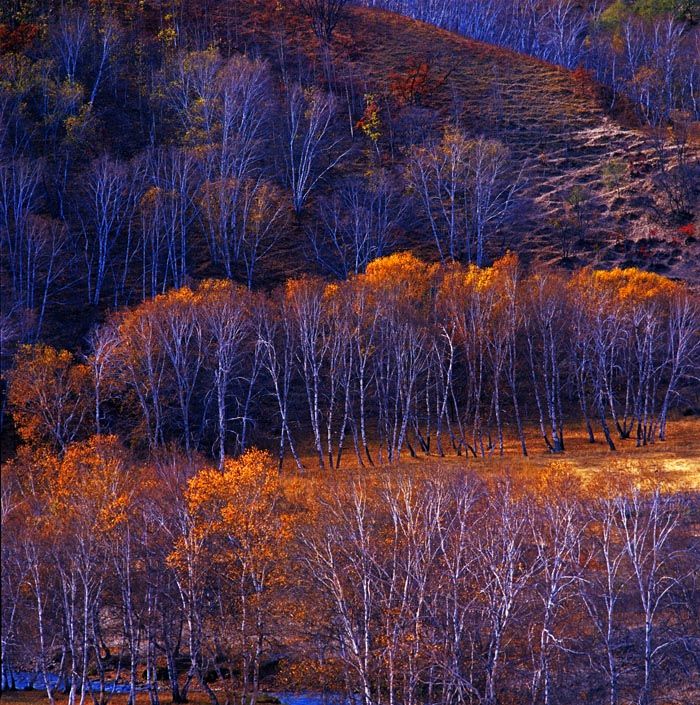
(417, 587)
(407, 358)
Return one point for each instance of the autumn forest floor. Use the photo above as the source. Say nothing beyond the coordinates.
(674, 464)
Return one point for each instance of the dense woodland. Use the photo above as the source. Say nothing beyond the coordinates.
(246, 275)
(407, 357)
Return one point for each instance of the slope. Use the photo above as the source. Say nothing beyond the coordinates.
(580, 165)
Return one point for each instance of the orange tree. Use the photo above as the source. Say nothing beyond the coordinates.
(237, 535)
(49, 395)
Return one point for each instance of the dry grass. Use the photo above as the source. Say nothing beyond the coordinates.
(556, 129)
(673, 464)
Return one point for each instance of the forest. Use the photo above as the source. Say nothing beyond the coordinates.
(351, 350)
(406, 357)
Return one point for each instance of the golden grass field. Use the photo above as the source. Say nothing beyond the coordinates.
(673, 464)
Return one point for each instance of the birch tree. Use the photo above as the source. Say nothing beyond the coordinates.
(309, 137)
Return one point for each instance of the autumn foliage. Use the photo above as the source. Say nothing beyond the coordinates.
(276, 393)
(408, 356)
(412, 84)
(49, 391)
(230, 581)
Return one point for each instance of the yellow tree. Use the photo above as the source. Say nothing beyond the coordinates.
(466, 189)
(238, 516)
(160, 359)
(29, 594)
(498, 287)
(226, 312)
(546, 337)
(49, 395)
(466, 299)
(305, 306)
(89, 499)
(644, 331)
(400, 289)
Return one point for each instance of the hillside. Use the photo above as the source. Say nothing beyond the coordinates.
(584, 188)
(560, 135)
(344, 361)
(551, 119)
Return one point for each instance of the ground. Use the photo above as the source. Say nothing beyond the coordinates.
(673, 464)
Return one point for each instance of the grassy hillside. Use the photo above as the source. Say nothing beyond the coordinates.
(551, 119)
(554, 124)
